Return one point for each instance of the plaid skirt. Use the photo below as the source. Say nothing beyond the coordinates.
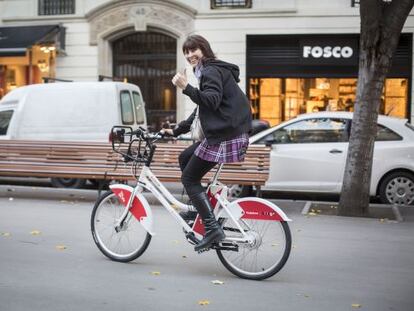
(227, 151)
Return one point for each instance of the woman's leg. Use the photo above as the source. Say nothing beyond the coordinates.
(185, 156)
(194, 171)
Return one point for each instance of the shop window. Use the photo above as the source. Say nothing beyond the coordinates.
(5, 117)
(56, 7)
(127, 111)
(139, 108)
(237, 4)
(279, 99)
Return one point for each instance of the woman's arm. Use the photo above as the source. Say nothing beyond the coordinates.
(185, 125)
(212, 89)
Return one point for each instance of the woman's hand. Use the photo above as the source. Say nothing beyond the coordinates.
(167, 132)
(180, 80)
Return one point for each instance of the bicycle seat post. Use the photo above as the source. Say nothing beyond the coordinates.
(216, 175)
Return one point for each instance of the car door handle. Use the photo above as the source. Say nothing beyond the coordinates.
(335, 151)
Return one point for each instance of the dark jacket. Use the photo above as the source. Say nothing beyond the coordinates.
(224, 109)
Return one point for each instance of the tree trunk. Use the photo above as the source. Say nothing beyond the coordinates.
(381, 25)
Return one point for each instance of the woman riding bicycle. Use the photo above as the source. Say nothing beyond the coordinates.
(225, 118)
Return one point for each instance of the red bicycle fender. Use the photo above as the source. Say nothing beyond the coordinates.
(260, 209)
(140, 207)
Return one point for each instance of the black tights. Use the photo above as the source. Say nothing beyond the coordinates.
(193, 169)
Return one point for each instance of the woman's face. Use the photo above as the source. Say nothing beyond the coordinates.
(193, 57)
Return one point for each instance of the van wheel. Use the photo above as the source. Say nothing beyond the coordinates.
(397, 188)
(68, 182)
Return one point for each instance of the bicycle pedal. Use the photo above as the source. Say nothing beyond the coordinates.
(191, 238)
(203, 250)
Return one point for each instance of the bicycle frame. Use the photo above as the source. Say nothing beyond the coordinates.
(135, 202)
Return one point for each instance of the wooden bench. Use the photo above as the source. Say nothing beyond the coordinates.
(97, 161)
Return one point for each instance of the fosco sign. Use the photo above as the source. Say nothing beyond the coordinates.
(337, 50)
(327, 51)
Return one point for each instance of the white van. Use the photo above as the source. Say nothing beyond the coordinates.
(77, 111)
(71, 111)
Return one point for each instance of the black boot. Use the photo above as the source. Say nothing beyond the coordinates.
(213, 232)
(188, 216)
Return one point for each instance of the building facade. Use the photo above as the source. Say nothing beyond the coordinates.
(295, 56)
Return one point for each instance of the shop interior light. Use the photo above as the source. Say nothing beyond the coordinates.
(47, 48)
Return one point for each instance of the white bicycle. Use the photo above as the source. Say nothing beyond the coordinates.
(258, 240)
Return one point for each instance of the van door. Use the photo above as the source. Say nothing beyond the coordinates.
(139, 106)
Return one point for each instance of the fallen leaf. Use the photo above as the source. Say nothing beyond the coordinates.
(299, 230)
(61, 247)
(217, 282)
(6, 234)
(383, 220)
(35, 232)
(203, 302)
(184, 256)
(356, 305)
(319, 211)
(312, 214)
(275, 244)
(155, 273)
(306, 295)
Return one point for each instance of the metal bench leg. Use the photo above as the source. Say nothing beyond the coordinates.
(258, 191)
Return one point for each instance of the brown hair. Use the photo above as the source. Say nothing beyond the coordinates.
(194, 42)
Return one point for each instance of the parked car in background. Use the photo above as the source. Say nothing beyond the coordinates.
(309, 152)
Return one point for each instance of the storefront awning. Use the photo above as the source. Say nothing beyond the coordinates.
(15, 40)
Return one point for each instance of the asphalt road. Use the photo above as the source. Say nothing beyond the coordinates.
(48, 261)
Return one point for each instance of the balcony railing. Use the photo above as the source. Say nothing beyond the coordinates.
(56, 7)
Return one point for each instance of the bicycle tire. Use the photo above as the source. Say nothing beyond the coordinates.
(102, 227)
(281, 243)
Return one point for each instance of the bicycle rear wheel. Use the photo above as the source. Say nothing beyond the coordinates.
(264, 256)
(124, 245)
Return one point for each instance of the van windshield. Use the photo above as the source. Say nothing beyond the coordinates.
(5, 117)
(139, 108)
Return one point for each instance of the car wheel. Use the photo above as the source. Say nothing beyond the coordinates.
(397, 188)
(239, 191)
(68, 182)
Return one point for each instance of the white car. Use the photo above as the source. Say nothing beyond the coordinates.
(309, 154)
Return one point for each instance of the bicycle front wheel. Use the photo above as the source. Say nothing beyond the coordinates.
(126, 243)
(262, 258)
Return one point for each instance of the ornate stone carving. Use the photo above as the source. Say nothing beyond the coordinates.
(139, 16)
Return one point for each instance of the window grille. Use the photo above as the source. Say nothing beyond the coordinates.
(355, 3)
(56, 7)
(217, 4)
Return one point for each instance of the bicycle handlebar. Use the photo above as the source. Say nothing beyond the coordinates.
(143, 153)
